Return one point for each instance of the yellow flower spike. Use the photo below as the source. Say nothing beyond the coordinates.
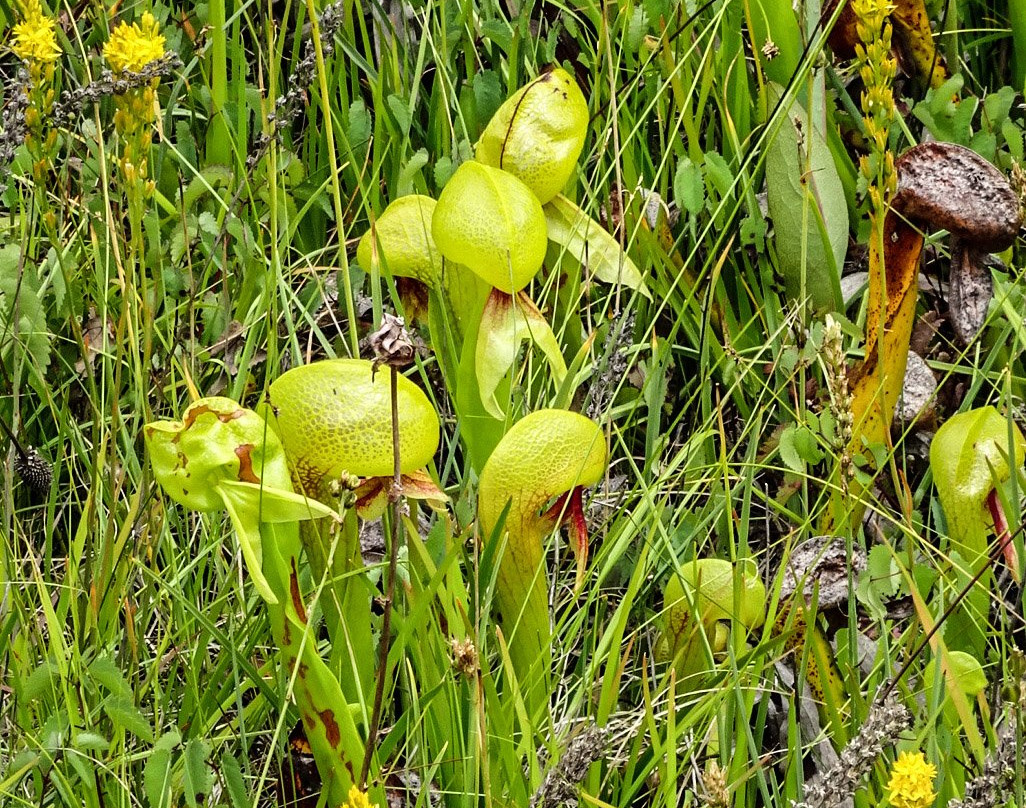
(132, 46)
(550, 454)
(911, 782)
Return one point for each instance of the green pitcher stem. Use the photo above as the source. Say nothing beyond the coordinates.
(334, 739)
(345, 602)
(524, 603)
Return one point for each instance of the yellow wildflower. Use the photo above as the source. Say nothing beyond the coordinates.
(34, 39)
(870, 14)
(358, 799)
(911, 783)
(133, 46)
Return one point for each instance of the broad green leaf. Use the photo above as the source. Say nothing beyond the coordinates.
(807, 446)
(198, 775)
(788, 449)
(37, 683)
(1013, 135)
(499, 32)
(689, 187)
(968, 456)
(538, 133)
(753, 232)
(401, 241)
(127, 716)
(507, 321)
(413, 166)
(103, 670)
(91, 741)
(487, 93)
(157, 771)
(19, 766)
(22, 317)
(591, 244)
(400, 112)
(966, 671)
(489, 221)
(808, 209)
(883, 571)
(997, 105)
(233, 781)
(636, 29)
(216, 440)
(718, 174)
(83, 766)
(359, 126)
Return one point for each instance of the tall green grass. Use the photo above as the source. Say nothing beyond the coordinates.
(134, 658)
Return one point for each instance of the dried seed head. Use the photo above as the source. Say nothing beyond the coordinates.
(832, 787)
(392, 344)
(715, 793)
(464, 657)
(13, 128)
(73, 101)
(559, 788)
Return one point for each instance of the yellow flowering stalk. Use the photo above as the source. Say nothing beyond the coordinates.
(911, 783)
(34, 41)
(878, 181)
(130, 48)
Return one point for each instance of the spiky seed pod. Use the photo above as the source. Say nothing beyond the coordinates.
(34, 470)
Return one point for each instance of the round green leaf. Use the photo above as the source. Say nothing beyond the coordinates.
(335, 416)
(404, 243)
(538, 133)
(489, 221)
(966, 671)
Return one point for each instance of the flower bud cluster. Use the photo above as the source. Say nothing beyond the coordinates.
(836, 368)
